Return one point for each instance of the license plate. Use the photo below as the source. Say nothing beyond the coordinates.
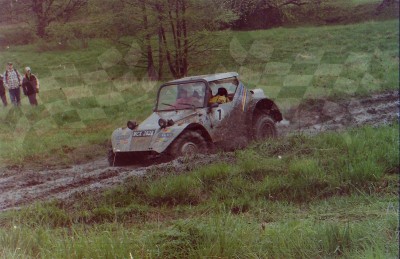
(143, 133)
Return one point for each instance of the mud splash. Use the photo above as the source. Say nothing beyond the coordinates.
(21, 187)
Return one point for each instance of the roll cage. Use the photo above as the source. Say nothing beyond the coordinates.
(185, 82)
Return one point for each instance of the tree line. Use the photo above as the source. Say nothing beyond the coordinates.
(169, 32)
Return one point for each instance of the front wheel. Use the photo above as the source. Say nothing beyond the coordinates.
(188, 143)
(264, 128)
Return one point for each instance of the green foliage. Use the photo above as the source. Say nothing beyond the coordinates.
(175, 190)
(217, 236)
(214, 173)
(337, 239)
(256, 14)
(50, 215)
(180, 240)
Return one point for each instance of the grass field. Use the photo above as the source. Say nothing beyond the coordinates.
(333, 195)
(86, 93)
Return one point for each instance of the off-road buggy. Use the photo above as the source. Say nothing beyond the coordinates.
(184, 122)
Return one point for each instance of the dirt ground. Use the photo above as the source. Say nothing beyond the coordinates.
(22, 187)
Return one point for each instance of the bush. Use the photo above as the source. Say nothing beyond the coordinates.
(65, 36)
(17, 36)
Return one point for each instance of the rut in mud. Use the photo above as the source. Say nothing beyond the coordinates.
(19, 188)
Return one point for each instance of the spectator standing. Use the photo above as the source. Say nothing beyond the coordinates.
(30, 86)
(12, 81)
(3, 92)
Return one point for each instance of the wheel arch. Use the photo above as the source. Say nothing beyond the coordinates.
(192, 128)
(266, 106)
(200, 129)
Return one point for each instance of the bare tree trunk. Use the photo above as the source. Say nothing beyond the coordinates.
(185, 43)
(11, 11)
(160, 55)
(160, 43)
(37, 8)
(47, 11)
(178, 51)
(41, 27)
(168, 54)
(171, 22)
(151, 71)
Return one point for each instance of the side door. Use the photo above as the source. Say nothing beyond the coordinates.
(221, 121)
(229, 119)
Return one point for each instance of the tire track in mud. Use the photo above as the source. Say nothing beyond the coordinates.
(20, 188)
(322, 115)
(27, 187)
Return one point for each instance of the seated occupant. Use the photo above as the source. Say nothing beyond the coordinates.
(183, 99)
(187, 101)
(220, 97)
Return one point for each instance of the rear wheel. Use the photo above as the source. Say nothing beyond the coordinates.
(188, 143)
(264, 128)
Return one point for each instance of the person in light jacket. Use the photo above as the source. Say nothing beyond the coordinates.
(12, 81)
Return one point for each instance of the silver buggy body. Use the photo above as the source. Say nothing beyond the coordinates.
(187, 119)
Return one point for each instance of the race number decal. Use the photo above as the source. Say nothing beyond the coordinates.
(219, 114)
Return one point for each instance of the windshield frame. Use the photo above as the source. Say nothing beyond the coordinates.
(205, 82)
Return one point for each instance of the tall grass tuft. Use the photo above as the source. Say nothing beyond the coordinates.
(175, 190)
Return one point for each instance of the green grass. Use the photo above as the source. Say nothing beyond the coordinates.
(81, 102)
(333, 195)
(224, 236)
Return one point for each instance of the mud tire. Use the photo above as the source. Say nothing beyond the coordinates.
(264, 128)
(188, 143)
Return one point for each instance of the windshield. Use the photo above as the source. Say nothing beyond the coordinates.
(181, 96)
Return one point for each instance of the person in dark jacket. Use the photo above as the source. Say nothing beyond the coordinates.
(30, 86)
(3, 92)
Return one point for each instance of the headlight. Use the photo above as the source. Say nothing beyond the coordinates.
(131, 125)
(165, 123)
(162, 123)
(170, 122)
